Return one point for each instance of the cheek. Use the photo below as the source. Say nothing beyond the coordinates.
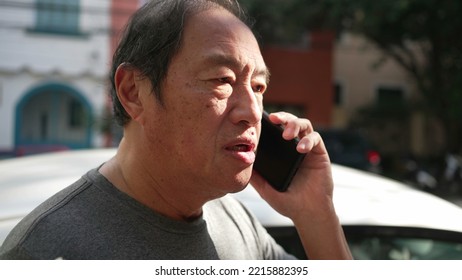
(215, 107)
(193, 129)
(194, 117)
(201, 129)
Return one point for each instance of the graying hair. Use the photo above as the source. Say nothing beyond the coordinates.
(153, 36)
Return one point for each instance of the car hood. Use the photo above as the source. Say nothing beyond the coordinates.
(367, 199)
(360, 198)
(28, 181)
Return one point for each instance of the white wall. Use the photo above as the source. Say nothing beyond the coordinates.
(29, 59)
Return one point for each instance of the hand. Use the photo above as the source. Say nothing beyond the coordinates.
(310, 192)
(308, 200)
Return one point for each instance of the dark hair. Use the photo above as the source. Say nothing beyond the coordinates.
(153, 36)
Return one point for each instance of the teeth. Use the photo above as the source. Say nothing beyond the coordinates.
(240, 148)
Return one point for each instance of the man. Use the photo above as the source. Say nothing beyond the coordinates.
(188, 82)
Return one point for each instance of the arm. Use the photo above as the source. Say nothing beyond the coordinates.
(308, 201)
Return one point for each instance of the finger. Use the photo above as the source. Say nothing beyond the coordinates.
(306, 144)
(291, 130)
(312, 142)
(297, 128)
(281, 118)
(293, 126)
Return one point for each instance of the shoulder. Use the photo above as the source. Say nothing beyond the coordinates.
(229, 206)
(228, 219)
(42, 222)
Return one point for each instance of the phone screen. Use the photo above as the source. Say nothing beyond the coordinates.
(277, 159)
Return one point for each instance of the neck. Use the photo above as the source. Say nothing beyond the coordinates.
(128, 172)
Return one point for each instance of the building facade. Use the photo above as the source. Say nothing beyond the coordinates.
(54, 56)
(301, 78)
(364, 77)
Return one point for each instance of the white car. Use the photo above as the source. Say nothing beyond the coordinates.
(382, 219)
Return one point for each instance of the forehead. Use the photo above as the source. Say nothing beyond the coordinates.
(216, 36)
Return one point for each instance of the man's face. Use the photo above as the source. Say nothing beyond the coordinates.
(209, 126)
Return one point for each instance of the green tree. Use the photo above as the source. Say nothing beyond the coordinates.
(423, 36)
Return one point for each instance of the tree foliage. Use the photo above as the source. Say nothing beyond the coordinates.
(423, 36)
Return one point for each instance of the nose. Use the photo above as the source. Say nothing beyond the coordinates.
(247, 106)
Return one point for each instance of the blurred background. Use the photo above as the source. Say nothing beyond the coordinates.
(381, 80)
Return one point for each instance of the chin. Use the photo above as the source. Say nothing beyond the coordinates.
(232, 182)
(238, 188)
(240, 183)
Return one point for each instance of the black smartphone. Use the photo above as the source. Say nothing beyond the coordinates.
(277, 159)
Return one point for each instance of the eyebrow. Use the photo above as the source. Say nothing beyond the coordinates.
(224, 59)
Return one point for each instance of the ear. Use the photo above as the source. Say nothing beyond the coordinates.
(128, 91)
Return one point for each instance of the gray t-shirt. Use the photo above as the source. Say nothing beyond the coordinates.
(91, 219)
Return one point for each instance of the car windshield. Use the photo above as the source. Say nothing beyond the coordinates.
(385, 243)
(398, 248)
(403, 243)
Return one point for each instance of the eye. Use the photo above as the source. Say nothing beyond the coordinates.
(225, 80)
(259, 88)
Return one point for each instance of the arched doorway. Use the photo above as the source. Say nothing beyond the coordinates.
(52, 117)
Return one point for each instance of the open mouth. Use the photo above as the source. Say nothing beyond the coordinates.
(241, 148)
